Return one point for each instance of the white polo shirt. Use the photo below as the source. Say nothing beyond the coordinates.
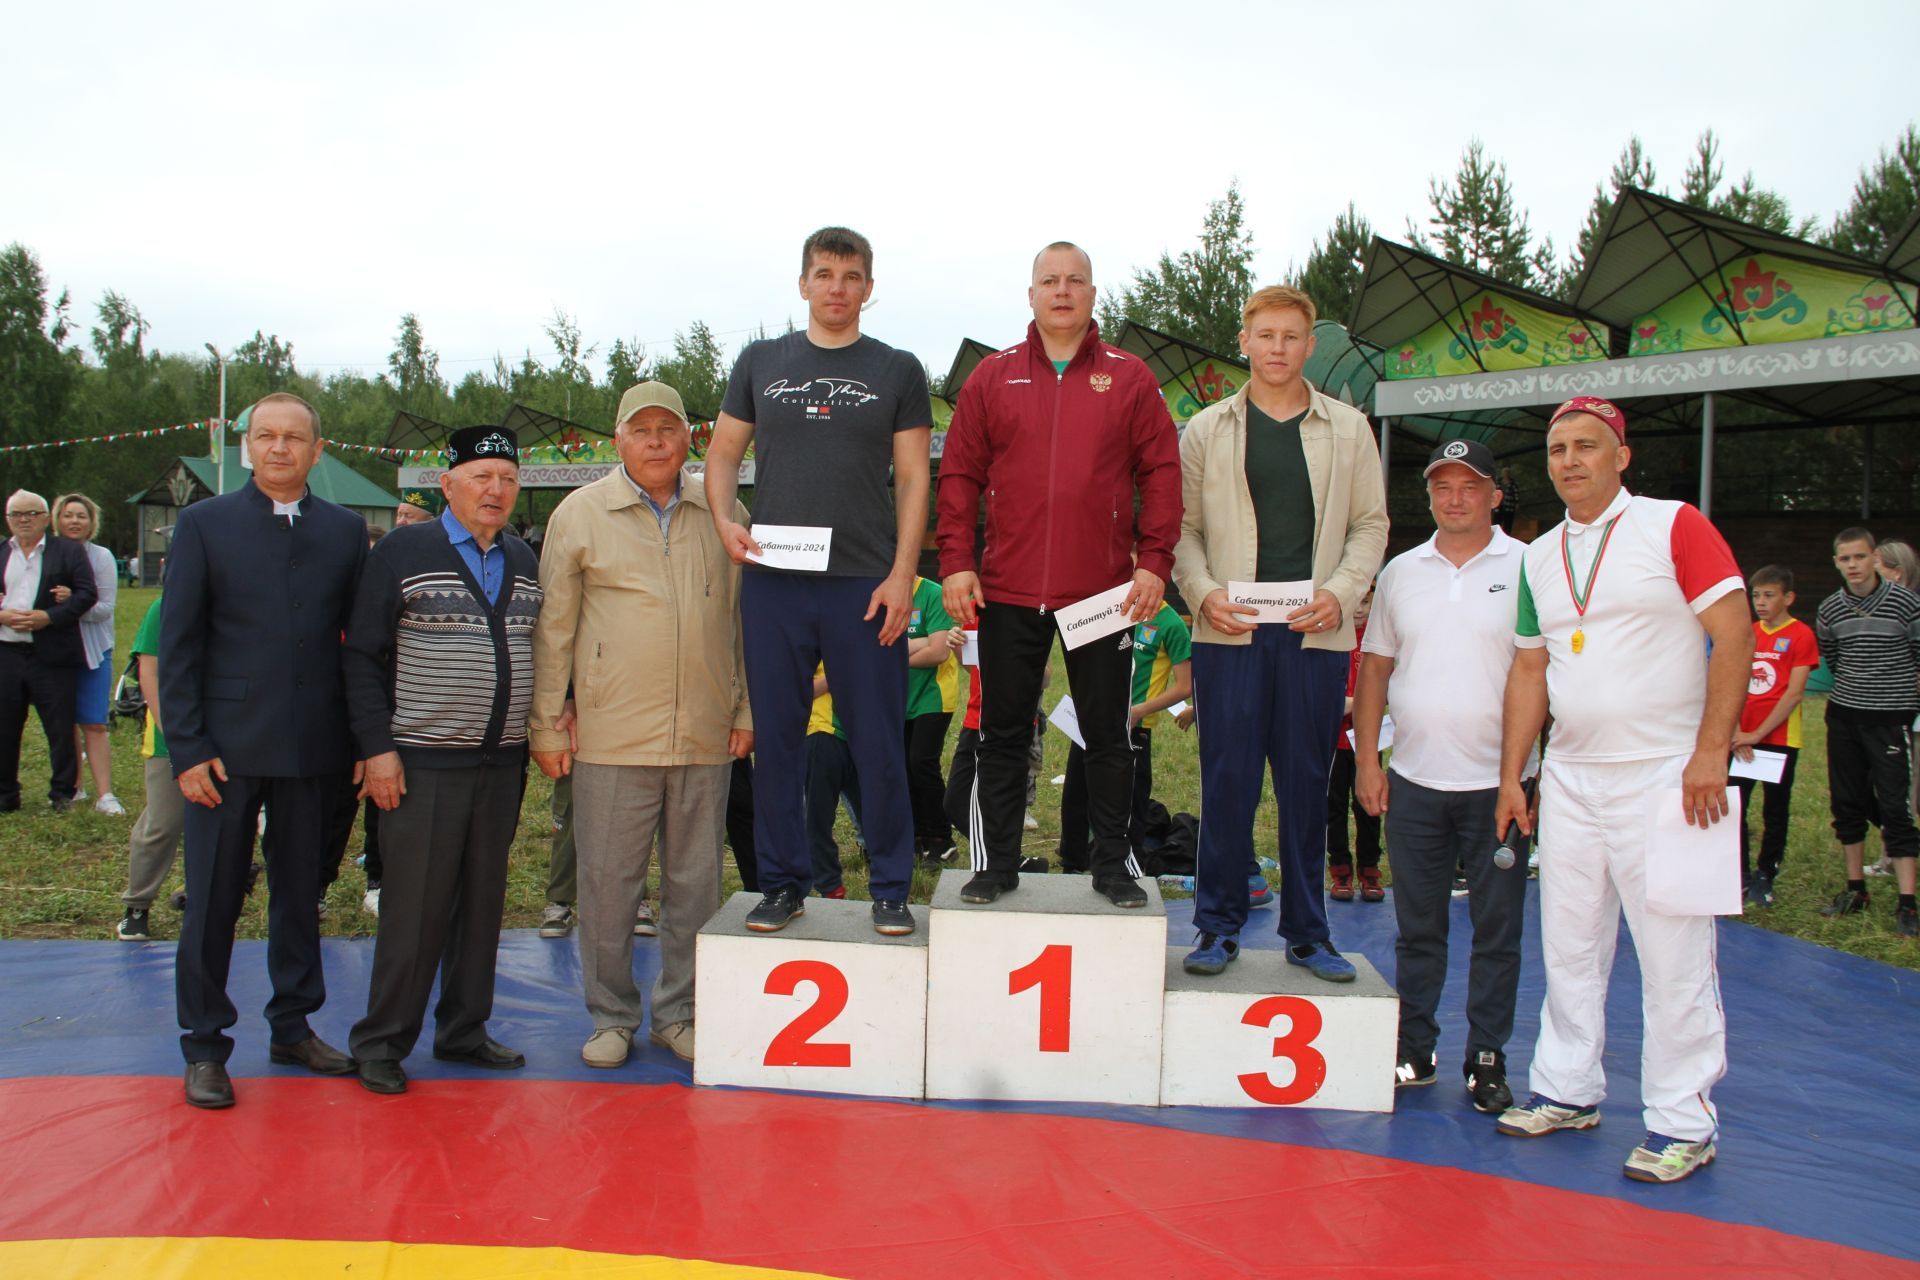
(1637, 688)
(1450, 633)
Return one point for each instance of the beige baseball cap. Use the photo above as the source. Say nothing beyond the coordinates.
(650, 395)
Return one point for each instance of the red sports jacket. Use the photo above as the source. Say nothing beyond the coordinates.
(1059, 457)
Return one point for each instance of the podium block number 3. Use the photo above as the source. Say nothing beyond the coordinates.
(1052, 972)
(795, 1046)
(1309, 1067)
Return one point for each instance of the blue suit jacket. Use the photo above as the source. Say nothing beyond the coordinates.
(63, 564)
(250, 636)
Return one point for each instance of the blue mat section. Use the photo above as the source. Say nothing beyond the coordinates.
(1816, 1138)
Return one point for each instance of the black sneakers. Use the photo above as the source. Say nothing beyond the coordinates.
(1487, 1082)
(776, 910)
(987, 886)
(1121, 892)
(1413, 1070)
(134, 927)
(1906, 922)
(1846, 903)
(892, 918)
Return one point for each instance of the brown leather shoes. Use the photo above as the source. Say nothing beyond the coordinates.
(208, 1086)
(315, 1054)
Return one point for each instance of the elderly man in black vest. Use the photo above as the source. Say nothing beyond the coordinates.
(259, 583)
(439, 673)
(40, 651)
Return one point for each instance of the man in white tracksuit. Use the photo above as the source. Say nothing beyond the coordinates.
(1617, 606)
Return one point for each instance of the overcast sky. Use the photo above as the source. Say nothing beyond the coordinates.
(317, 170)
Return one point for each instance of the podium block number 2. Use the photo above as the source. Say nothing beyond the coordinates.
(795, 1046)
(1052, 972)
(1309, 1066)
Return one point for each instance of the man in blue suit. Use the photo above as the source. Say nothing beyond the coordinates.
(40, 651)
(259, 584)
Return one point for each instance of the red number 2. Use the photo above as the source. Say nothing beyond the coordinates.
(794, 1046)
(1052, 972)
(1309, 1068)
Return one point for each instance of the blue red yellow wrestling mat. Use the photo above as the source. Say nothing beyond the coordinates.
(565, 1171)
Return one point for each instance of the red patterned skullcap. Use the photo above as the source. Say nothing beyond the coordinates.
(1605, 410)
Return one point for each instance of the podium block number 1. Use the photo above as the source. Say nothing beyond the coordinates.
(794, 1046)
(1052, 972)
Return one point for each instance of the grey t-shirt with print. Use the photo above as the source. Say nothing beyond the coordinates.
(823, 425)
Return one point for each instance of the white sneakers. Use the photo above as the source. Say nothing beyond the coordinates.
(1663, 1159)
(110, 804)
(371, 903)
(608, 1047)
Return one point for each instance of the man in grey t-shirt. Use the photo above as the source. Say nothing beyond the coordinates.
(830, 414)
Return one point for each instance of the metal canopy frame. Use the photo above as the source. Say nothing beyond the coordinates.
(1654, 248)
(1176, 360)
(1404, 291)
(965, 361)
(411, 431)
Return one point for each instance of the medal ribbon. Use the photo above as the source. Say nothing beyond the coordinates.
(1581, 595)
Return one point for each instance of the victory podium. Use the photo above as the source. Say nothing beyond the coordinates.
(1049, 994)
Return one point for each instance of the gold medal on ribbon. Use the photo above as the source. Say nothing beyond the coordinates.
(1582, 595)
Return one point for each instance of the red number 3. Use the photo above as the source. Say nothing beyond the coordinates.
(1309, 1068)
(794, 1046)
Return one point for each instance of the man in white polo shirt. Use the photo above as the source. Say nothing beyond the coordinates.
(1617, 607)
(1438, 649)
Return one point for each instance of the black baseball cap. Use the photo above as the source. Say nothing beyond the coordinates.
(1468, 453)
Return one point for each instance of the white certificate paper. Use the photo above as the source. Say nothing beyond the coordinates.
(792, 546)
(1096, 616)
(1067, 721)
(1386, 734)
(1692, 871)
(1275, 600)
(1766, 766)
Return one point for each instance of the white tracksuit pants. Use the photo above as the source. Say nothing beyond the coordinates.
(1593, 868)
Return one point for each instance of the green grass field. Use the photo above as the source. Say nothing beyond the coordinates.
(61, 875)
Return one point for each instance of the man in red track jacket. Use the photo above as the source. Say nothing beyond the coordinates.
(1058, 433)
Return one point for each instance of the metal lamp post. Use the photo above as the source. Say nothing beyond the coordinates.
(220, 431)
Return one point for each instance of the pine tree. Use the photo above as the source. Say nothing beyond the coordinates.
(1476, 224)
(1196, 296)
(1332, 274)
(1884, 198)
(1634, 168)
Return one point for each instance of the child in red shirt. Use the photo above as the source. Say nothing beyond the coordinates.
(1784, 655)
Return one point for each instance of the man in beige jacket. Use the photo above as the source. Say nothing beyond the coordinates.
(642, 619)
(1282, 489)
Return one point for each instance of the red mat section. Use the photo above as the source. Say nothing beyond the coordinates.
(843, 1187)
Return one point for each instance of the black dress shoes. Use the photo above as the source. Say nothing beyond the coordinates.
(381, 1075)
(313, 1053)
(208, 1086)
(490, 1054)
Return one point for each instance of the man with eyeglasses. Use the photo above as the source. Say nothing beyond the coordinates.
(40, 651)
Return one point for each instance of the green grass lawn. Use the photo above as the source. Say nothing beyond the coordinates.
(61, 876)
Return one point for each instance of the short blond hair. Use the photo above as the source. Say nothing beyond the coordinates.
(93, 510)
(1282, 297)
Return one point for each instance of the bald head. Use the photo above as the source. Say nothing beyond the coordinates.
(1064, 247)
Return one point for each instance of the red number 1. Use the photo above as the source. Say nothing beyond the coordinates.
(1309, 1067)
(794, 1046)
(1052, 972)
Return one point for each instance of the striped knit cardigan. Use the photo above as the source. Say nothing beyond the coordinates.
(431, 669)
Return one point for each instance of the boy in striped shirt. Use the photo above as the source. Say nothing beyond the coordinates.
(1870, 633)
